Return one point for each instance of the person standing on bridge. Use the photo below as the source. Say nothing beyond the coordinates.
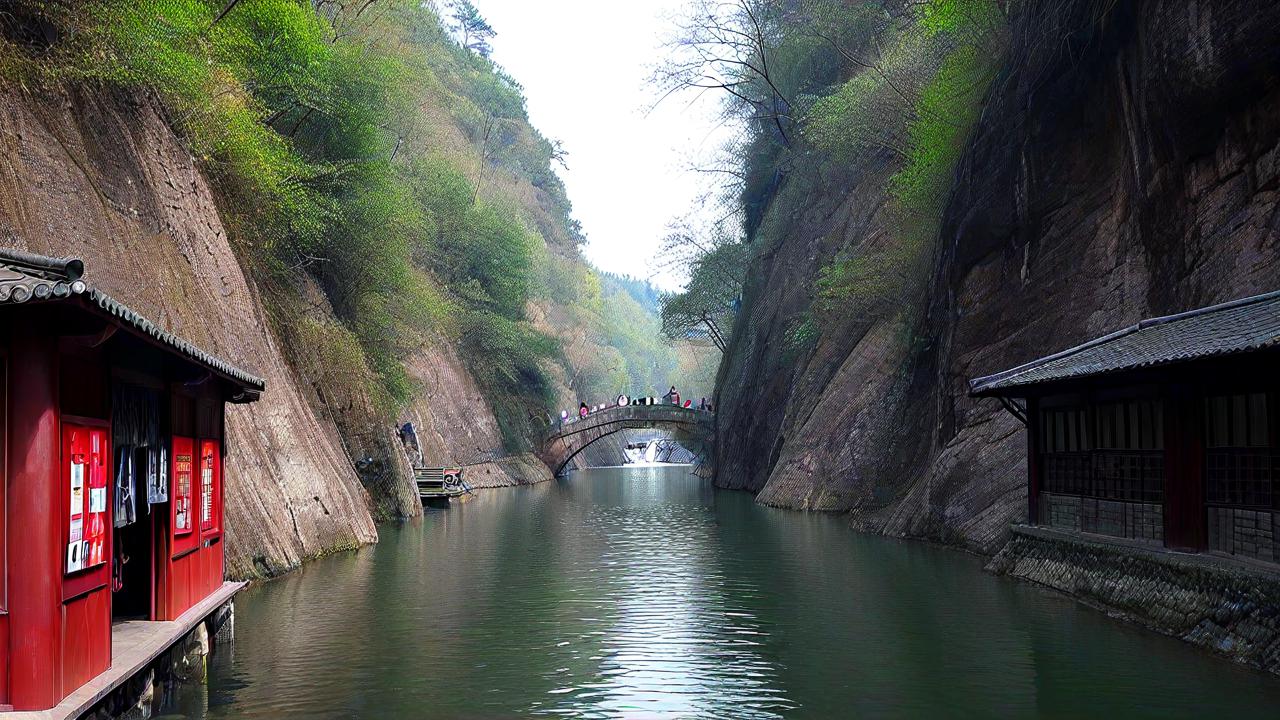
(672, 397)
(583, 410)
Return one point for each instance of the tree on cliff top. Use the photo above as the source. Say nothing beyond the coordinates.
(475, 31)
(727, 47)
(714, 262)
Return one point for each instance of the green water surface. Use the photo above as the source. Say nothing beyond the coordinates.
(644, 593)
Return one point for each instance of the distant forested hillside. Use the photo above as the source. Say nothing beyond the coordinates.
(642, 291)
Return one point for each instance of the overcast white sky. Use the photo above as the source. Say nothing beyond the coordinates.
(584, 66)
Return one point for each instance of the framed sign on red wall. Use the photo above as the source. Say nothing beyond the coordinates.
(210, 487)
(86, 496)
(182, 496)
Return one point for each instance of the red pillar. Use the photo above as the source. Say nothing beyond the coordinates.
(35, 558)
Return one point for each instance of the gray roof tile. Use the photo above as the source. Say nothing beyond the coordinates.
(26, 276)
(1231, 328)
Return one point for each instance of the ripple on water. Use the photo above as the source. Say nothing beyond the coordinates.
(643, 593)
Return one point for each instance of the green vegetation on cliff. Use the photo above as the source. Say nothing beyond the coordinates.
(372, 159)
(879, 95)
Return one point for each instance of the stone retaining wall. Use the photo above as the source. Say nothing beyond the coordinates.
(1229, 606)
(147, 693)
(509, 471)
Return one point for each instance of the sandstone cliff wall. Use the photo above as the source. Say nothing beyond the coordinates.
(1125, 165)
(101, 177)
(456, 425)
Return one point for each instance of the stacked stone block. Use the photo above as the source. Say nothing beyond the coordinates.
(1134, 520)
(1228, 606)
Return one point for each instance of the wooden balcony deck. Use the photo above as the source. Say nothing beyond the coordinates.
(134, 644)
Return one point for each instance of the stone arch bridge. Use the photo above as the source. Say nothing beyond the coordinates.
(692, 427)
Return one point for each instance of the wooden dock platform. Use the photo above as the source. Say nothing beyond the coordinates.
(438, 483)
(134, 644)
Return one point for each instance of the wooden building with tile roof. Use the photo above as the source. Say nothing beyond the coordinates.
(1166, 432)
(111, 504)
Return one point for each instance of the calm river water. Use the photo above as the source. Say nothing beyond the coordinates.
(645, 593)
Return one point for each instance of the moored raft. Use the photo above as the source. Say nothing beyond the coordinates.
(439, 483)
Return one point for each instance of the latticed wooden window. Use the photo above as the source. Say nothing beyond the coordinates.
(1065, 445)
(1118, 454)
(1137, 476)
(1240, 464)
(1068, 473)
(1064, 430)
(1135, 425)
(1237, 421)
(1129, 460)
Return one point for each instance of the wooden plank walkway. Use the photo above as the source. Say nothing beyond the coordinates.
(134, 644)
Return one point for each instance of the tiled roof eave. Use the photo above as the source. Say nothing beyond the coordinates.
(26, 276)
(1005, 378)
(1011, 387)
(1241, 326)
(121, 312)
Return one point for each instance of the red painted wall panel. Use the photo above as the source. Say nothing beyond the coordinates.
(191, 566)
(91, 445)
(86, 611)
(1185, 519)
(183, 496)
(183, 583)
(4, 659)
(57, 635)
(86, 649)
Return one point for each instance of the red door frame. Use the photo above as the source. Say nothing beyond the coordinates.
(35, 441)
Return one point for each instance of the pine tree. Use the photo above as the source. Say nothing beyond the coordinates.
(475, 31)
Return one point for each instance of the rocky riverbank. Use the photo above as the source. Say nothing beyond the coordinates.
(1229, 606)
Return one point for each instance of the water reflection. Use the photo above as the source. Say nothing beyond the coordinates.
(641, 592)
(680, 640)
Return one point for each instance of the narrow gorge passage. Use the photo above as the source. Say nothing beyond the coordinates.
(660, 360)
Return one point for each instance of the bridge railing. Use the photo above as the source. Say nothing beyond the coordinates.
(614, 412)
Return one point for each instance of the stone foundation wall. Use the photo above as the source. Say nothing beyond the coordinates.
(1133, 520)
(1248, 533)
(1226, 605)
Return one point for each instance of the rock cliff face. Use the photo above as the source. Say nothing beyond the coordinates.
(101, 177)
(457, 427)
(1126, 164)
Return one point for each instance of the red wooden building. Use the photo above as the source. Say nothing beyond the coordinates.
(1166, 432)
(111, 506)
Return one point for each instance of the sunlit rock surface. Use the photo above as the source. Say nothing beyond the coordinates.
(101, 177)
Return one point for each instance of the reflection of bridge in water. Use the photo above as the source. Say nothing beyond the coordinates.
(690, 427)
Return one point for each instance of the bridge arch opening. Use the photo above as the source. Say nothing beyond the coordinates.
(691, 427)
